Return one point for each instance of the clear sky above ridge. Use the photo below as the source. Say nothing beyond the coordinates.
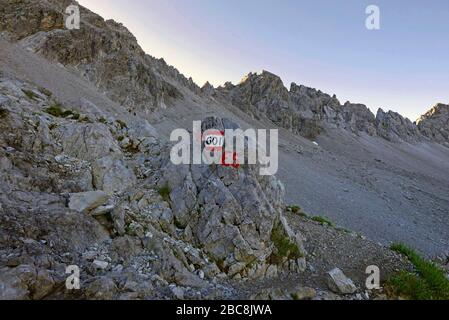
(324, 44)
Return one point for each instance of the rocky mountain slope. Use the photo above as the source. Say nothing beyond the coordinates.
(85, 115)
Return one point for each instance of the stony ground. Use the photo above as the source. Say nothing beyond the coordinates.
(329, 247)
(389, 193)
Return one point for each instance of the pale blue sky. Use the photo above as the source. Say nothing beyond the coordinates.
(324, 44)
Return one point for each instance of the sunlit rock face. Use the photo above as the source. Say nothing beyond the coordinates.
(435, 123)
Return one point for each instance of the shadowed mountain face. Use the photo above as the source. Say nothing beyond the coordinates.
(85, 117)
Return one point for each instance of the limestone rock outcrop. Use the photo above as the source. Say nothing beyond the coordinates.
(393, 127)
(435, 123)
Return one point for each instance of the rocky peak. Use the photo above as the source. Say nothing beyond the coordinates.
(207, 89)
(265, 83)
(303, 90)
(434, 124)
(359, 117)
(394, 127)
(295, 88)
(260, 95)
(307, 91)
(228, 85)
(439, 110)
(313, 102)
(265, 77)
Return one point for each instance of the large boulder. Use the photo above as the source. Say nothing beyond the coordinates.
(338, 282)
(25, 282)
(94, 143)
(91, 141)
(232, 213)
(112, 175)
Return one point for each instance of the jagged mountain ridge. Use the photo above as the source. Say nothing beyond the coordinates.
(108, 55)
(308, 111)
(434, 124)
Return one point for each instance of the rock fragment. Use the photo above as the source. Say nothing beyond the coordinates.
(85, 201)
(338, 282)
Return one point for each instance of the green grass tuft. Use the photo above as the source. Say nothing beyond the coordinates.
(30, 94)
(121, 124)
(344, 230)
(303, 214)
(428, 283)
(69, 113)
(85, 119)
(164, 192)
(297, 210)
(294, 296)
(45, 91)
(56, 110)
(178, 224)
(294, 209)
(285, 248)
(322, 220)
(3, 113)
(131, 148)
